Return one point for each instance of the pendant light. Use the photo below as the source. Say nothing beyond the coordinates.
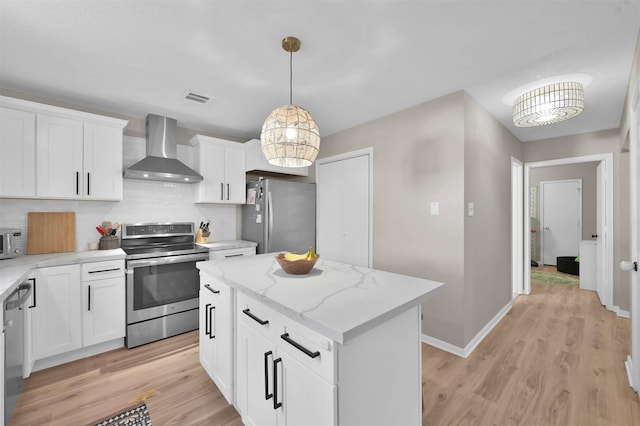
(290, 136)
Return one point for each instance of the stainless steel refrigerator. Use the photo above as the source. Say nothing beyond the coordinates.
(280, 216)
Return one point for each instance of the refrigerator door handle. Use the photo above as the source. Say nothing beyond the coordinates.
(269, 221)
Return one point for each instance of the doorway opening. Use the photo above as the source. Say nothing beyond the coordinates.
(604, 215)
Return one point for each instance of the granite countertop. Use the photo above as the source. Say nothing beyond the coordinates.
(16, 270)
(228, 244)
(337, 300)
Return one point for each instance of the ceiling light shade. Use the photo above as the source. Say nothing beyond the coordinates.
(548, 104)
(290, 136)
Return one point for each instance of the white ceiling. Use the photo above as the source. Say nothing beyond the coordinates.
(360, 60)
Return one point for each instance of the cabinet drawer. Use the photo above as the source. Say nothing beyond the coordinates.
(257, 316)
(309, 348)
(239, 252)
(101, 270)
(220, 292)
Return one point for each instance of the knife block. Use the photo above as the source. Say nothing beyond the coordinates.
(201, 238)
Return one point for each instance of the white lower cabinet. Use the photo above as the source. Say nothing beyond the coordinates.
(74, 307)
(104, 304)
(57, 326)
(279, 382)
(216, 333)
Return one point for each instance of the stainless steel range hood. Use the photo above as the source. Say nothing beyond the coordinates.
(161, 161)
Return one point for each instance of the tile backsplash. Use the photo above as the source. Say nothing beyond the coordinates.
(143, 201)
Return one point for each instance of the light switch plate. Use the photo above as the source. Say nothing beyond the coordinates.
(435, 208)
(471, 209)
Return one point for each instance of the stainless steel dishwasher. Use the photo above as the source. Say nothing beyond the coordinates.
(14, 347)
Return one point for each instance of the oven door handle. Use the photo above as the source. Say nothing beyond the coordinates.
(167, 260)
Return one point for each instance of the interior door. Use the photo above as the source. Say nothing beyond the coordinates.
(344, 192)
(561, 213)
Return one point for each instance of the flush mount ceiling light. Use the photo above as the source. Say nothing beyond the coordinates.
(548, 104)
(290, 136)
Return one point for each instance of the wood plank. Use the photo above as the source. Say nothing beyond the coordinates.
(51, 232)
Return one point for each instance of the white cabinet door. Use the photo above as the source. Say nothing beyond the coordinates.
(235, 176)
(103, 311)
(255, 378)
(216, 334)
(102, 154)
(57, 324)
(306, 399)
(59, 157)
(222, 165)
(17, 153)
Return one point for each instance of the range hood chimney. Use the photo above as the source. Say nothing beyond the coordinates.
(161, 161)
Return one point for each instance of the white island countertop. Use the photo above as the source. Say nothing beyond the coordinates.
(337, 300)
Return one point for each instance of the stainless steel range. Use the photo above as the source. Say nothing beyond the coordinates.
(162, 280)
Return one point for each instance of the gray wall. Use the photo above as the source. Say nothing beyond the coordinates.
(446, 150)
(584, 171)
(607, 141)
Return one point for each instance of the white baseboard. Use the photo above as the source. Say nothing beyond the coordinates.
(621, 313)
(467, 350)
(629, 367)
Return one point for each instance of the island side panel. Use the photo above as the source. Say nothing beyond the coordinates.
(380, 374)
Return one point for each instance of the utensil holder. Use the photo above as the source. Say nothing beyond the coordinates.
(109, 242)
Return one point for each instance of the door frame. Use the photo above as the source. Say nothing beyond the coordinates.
(607, 158)
(517, 224)
(347, 156)
(541, 218)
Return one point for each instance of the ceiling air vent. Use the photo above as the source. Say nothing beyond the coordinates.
(196, 97)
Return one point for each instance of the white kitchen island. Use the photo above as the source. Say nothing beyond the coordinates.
(338, 346)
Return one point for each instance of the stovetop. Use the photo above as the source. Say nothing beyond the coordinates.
(145, 240)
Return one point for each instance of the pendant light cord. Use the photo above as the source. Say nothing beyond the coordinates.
(290, 77)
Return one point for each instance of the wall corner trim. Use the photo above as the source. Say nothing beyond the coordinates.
(621, 313)
(471, 346)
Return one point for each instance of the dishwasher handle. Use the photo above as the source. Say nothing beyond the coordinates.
(14, 304)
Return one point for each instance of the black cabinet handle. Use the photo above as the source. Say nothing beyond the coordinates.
(77, 183)
(297, 345)
(276, 404)
(88, 183)
(227, 191)
(104, 270)
(267, 395)
(33, 280)
(207, 322)
(233, 255)
(89, 299)
(248, 313)
(208, 287)
(211, 333)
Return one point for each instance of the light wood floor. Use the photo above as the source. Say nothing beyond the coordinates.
(555, 359)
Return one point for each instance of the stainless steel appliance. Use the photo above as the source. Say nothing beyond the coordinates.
(280, 215)
(162, 280)
(11, 243)
(13, 329)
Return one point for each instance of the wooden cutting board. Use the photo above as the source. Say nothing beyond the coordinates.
(51, 232)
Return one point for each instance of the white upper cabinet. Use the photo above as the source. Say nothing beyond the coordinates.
(17, 153)
(257, 162)
(222, 165)
(63, 154)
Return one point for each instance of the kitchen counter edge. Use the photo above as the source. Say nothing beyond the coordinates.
(15, 271)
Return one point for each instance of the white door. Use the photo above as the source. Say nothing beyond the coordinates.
(561, 213)
(633, 362)
(343, 208)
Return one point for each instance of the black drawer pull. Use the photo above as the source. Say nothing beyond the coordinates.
(297, 345)
(207, 321)
(104, 270)
(233, 255)
(208, 287)
(276, 404)
(248, 313)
